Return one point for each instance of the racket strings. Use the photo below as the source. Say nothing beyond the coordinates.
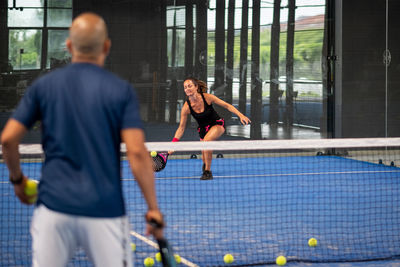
(159, 163)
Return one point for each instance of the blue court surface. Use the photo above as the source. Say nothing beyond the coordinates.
(255, 209)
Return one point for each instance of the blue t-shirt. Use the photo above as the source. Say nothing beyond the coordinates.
(82, 108)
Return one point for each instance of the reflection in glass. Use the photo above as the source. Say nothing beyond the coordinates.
(32, 17)
(57, 51)
(176, 36)
(25, 49)
(59, 3)
(26, 3)
(59, 17)
(179, 46)
(176, 16)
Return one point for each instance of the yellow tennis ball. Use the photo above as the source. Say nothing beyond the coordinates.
(153, 153)
(158, 256)
(228, 258)
(312, 242)
(133, 246)
(31, 190)
(281, 260)
(31, 187)
(148, 262)
(177, 258)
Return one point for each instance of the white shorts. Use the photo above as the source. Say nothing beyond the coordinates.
(56, 237)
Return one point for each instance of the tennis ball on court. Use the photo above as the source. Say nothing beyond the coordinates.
(177, 258)
(312, 242)
(148, 262)
(158, 256)
(133, 247)
(228, 258)
(153, 153)
(281, 260)
(31, 187)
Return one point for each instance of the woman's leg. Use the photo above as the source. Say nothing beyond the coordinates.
(213, 134)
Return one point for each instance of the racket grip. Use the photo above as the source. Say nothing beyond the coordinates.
(156, 224)
(167, 255)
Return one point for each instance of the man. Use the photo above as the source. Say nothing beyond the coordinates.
(85, 113)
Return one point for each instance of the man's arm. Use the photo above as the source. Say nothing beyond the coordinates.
(142, 168)
(10, 139)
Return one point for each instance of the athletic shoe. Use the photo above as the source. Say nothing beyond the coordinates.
(207, 175)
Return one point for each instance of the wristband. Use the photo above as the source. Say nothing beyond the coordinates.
(175, 139)
(17, 181)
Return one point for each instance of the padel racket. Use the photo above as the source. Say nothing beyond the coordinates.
(160, 161)
(167, 254)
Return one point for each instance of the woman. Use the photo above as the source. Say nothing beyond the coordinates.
(210, 125)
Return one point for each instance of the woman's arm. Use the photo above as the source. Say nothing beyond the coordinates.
(182, 124)
(213, 99)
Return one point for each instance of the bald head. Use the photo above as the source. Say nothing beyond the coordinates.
(88, 38)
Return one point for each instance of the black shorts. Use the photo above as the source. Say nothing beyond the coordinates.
(204, 130)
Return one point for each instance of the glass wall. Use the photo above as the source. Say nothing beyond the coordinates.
(299, 69)
(295, 67)
(37, 32)
(304, 110)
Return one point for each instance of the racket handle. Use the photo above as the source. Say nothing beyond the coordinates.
(167, 255)
(156, 224)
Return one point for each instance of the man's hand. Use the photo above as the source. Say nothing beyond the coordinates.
(19, 190)
(155, 223)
